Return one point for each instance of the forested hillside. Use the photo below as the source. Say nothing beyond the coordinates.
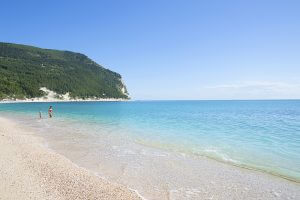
(26, 69)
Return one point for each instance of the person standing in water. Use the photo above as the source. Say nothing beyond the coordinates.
(50, 112)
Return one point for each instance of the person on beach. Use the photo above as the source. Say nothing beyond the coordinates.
(50, 112)
(40, 114)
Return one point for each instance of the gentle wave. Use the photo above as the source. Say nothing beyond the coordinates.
(261, 135)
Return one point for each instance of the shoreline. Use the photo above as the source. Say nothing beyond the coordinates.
(58, 100)
(31, 171)
(214, 176)
(241, 166)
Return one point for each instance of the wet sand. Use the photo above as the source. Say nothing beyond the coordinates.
(30, 171)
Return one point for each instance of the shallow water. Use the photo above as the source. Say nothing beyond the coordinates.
(161, 138)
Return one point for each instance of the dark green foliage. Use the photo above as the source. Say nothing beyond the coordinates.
(25, 69)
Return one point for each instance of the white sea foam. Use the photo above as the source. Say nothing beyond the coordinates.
(137, 192)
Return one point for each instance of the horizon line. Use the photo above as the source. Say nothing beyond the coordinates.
(296, 99)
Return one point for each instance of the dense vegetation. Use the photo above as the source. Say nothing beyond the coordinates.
(25, 69)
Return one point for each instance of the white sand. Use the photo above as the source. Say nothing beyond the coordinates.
(30, 171)
(52, 96)
(40, 100)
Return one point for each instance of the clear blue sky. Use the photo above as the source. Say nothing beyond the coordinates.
(247, 49)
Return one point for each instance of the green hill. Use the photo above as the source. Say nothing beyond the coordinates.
(26, 69)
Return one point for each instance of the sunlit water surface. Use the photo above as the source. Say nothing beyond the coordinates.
(108, 136)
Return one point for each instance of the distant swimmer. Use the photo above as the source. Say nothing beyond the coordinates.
(50, 112)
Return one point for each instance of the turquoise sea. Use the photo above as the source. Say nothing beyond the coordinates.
(262, 135)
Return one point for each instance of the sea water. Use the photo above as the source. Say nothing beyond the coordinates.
(262, 135)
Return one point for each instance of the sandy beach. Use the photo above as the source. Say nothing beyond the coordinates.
(150, 100)
(30, 171)
(53, 100)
